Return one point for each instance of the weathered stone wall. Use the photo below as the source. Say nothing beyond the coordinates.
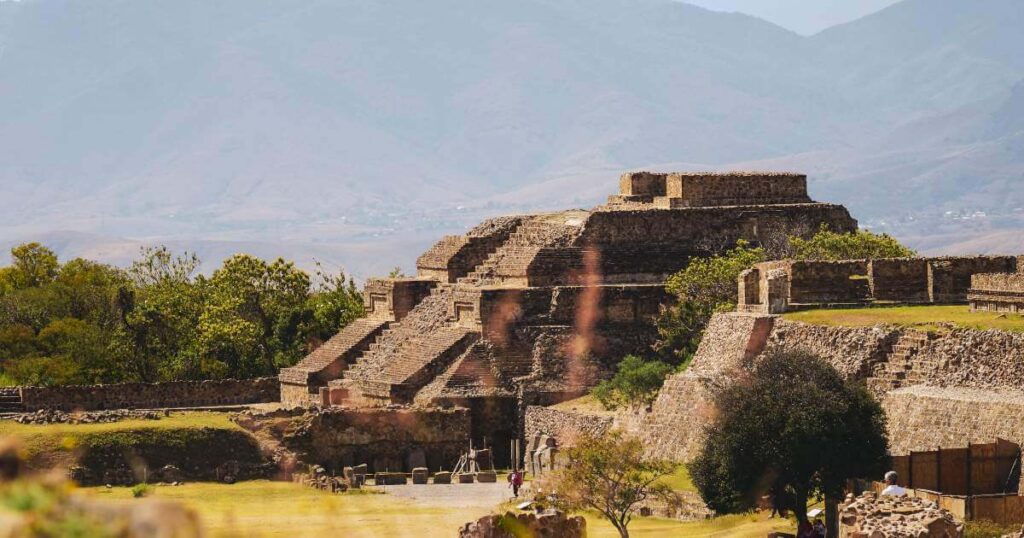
(704, 189)
(753, 188)
(923, 418)
(853, 351)
(646, 246)
(393, 298)
(152, 395)
(997, 292)
(954, 358)
(565, 426)
(950, 277)
(212, 454)
(902, 280)
(906, 280)
(387, 439)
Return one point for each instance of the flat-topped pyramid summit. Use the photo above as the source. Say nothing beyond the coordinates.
(538, 308)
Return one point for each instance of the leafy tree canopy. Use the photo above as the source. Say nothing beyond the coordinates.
(610, 475)
(794, 428)
(85, 322)
(861, 244)
(636, 383)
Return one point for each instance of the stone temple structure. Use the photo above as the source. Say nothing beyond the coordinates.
(535, 309)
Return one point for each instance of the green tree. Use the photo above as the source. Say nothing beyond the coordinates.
(335, 303)
(160, 309)
(33, 265)
(609, 474)
(861, 244)
(81, 348)
(255, 314)
(635, 383)
(705, 286)
(793, 427)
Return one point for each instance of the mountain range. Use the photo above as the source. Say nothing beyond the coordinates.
(357, 131)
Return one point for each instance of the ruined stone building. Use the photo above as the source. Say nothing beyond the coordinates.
(998, 292)
(535, 309)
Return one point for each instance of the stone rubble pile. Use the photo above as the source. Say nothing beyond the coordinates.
(52, 416)
(548, 524)
(871, 516)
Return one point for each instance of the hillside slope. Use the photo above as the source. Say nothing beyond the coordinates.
(302, 122)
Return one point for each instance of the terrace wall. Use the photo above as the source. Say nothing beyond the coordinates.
(169, 394)
(386, 439)
(900, 280)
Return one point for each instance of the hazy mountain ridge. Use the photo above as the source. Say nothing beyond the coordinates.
(305, 122)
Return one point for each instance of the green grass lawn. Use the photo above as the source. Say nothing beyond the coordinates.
(680, 480)
(924, 317)
(48, 445)
(267, 509)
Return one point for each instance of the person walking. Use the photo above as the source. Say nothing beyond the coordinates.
(515, 480)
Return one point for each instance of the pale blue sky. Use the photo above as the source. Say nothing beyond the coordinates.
(802, 16)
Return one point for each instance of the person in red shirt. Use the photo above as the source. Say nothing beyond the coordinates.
(515, 480)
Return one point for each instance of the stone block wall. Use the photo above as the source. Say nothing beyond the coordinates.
(674, 427)
(997, 292)
(949, 278)
(812, 282)
(754, 188)
(647, 246)
(903, 280)
(386, 439)
(152, 395)
(642, 184)
(923, 418)
(393, 298)
(673, 190)
(565, 426)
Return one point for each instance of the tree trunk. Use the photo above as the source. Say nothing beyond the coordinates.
(800, 498)
(832, 515)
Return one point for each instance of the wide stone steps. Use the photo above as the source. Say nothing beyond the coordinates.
(425, 353)
(514, 256)
(429, 315)
(334, 355)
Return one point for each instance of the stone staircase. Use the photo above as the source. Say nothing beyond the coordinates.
(904, 365)
(328, 361)
(10, 400)
(410, 353)
(515, 254)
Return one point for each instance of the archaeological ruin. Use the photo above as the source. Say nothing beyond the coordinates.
(998, 292)
(535, 309)
(779, 286)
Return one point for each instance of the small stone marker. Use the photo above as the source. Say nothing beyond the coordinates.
(486, 477)
(465, 478)
(443, 477)
(419, 475)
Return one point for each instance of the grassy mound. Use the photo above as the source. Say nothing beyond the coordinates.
(196, 442)
(922, 317)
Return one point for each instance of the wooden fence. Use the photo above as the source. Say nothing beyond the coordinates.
(1004, 509)
(979, 469)
(978, 482)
